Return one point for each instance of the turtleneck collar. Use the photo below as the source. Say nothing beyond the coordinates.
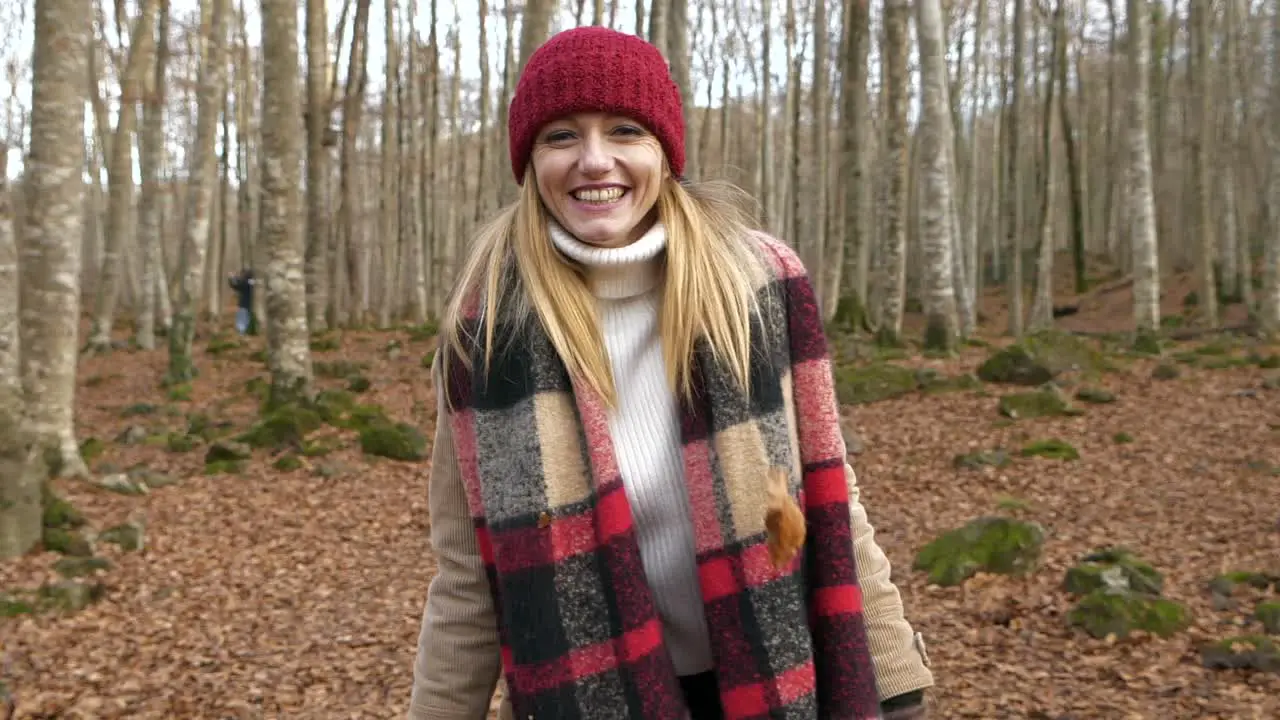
(616, 273)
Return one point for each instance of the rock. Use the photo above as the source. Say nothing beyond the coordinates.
(1244, 652)
(73, 567)
(66, 542)
(132, 435)
(1228, 583)
(934, 382)
(121, 483)
(1268, 613)
(856, 385)
(129, 536)
(1052, 448)
(1097, 396)
(227, 451)
(987, 544)
(285, 426)
(399, 441)
(1115, 568)
(12, 605)
(1041, 357)
(1037, 403)
(150, 478)
(1165, 371)
(68, 595)
(1118, 611)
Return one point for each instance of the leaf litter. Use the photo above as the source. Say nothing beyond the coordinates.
(274, 594)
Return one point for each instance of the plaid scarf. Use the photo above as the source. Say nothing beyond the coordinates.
(579, 632)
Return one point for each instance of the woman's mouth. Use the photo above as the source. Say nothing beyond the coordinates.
(599, 197)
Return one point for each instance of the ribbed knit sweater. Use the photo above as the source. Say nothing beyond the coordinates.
(645, 430)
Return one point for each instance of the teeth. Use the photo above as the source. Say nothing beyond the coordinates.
(599, 196)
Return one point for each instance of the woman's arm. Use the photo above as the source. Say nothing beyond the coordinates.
(458, 660)
(896, 649)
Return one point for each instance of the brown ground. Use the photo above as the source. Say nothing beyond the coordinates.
(274, 594)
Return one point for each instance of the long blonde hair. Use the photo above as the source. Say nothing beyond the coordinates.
(712, 269)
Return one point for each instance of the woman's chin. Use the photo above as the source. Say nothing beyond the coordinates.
(601, 232)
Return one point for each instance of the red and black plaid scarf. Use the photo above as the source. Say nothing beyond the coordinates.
(579, 631)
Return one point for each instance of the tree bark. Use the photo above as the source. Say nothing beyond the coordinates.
(288, 348)
(49, 254)
(1141, 204)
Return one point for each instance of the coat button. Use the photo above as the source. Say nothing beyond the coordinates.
(544, 520)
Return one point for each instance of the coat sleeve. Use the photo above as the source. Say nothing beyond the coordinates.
(458, 659)
(897, 651)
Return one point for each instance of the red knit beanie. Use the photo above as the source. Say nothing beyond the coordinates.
(596, 69)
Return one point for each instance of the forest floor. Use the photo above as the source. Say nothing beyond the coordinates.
(270, 593)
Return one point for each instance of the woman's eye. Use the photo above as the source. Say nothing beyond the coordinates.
(559, 136)
(631, 130)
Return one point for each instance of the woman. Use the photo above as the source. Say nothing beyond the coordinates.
(640, 507)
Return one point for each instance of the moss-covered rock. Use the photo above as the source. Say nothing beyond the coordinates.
(1095, 395)
(284, 426)
(1119, 612)
(1122, 438)
(224, 467)
(1114, 568)
(1268, 613)
(219, 344)
(287, 463)
(1045, 402)
(1165, 371)
(325, 343)
(337, 368)
(423, 332)
(1229, 582)
(859, 384)
(91, 449)
(358, 384)
(398, 441)
(1041, 357)
(933, 382)
(129, 536)
(68, 595)
(138, 409)
(74, 567)
(58, 513)
(1146, 342)
(179, 392)
(1051, 448)
(1243, 652)
(15, 604)
(66, 542)
(181, 442)
(121, 483)
(987, 544)
(227, 450)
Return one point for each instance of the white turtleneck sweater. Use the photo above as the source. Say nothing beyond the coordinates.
(645, 429)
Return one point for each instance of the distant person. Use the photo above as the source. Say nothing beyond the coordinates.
(243, 282)
(640, 506)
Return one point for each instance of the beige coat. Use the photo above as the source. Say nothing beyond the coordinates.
(458, 663)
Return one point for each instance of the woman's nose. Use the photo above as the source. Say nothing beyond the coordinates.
(596, 158)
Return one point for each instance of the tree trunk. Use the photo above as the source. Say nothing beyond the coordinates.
(288, 349)
(942, 327)
(1199, 136)
(388, 198)
(120, 176)
(1013, 181)
(892, 265)
(317, 252)
(49, 254)
(150, 159)
(1141, 204)
(200, 181)
(1270, 314)
(1042, 304)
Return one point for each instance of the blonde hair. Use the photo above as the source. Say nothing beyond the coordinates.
(712, 269)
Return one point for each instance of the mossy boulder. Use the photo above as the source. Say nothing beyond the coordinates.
(65, 542)
(397, 441)
(987, 544)
(68, 595)
(1045, 402)
(287, 463)
(1052, 448)
(1095, 395)
(358, 384)
(227, 450)
(1165, 371)
(1118, 611)
(283, 426)
(91, 448)
(1268, 613)
(74, 567)
(859, 384)
(933, 382)
(1039, 358)
(1115, 568)
(1228, 583)
(58, 513)
(128, 536)
(1243, 652)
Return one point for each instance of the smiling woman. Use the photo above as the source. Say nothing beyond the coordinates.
(640, 506)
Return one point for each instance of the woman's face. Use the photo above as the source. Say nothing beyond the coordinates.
(599, 176)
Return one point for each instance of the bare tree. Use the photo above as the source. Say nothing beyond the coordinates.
(942, 328)
(892, 266)
(150, 157)
(1199, 139)
(49, 249)
(289, 353)
(1271, 300)
(1141, 203)
(317, 253)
